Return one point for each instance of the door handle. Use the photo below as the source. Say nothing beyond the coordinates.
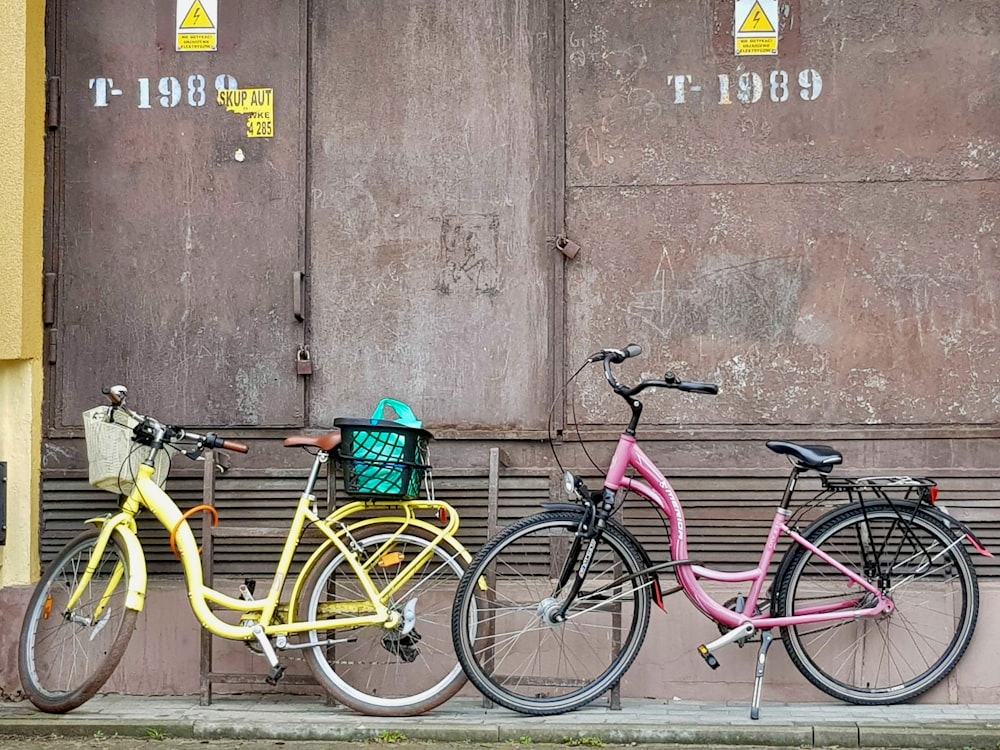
(298, 282)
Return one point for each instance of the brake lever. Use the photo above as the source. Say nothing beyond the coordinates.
(194, 453)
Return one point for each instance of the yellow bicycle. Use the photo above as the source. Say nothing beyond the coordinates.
(369, 610)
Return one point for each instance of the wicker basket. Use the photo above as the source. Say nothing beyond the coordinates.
(112, 456)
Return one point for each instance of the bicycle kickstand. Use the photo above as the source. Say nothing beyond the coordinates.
(758, 680)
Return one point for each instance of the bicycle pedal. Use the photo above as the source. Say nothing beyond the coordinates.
(710, 660)
(276, 674)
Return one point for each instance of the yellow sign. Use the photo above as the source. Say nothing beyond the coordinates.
(756, 20)
(759, 46)
(196, 43)
(197, 18)
(755, 27)
(257, 103)
(197, 25)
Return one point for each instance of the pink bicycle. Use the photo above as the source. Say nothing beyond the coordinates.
(875, 602)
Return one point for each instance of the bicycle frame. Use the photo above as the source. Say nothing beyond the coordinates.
(661, 494)
(259, 613)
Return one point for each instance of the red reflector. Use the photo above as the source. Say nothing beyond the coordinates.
(933, 495)
(443, 516)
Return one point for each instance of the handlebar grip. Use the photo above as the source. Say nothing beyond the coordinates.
(617, 356)
(232, 445)
(708, 388)
(211, 440)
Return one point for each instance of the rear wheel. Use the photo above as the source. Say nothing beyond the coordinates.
(65, 656)
(402, 671)
(510, 637)
(920, 565)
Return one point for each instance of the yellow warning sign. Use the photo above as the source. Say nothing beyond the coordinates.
(197, 25)
(197, 18)
(757, 20)
(755, 27)
(759, 46)
(196, 42)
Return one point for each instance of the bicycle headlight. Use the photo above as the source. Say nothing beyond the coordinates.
(569, 484)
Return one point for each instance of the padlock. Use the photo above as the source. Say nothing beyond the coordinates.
(303, 364)
(567, 247)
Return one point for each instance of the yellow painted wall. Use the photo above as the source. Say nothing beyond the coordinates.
(22, 199)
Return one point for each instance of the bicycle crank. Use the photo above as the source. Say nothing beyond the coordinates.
(738, 604)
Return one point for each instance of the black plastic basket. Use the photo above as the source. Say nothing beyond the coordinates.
(382, 458)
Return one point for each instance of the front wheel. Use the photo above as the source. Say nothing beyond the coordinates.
(402, 671)
(512, 637)
(918, 563)
(66, 655)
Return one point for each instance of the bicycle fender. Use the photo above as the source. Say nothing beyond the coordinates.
(948, 520)
(657, 591)
(121, 526)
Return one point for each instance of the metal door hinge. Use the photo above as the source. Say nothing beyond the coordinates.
(49, 300)
(52, 96)
(3, 502)
(298, 295)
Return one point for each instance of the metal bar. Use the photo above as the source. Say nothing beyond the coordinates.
(3, 502)
(208, 494)
(492, 527)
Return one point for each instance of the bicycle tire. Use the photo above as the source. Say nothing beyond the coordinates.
(384, 672)
(897, 656)
(65, 657)
(510, 648)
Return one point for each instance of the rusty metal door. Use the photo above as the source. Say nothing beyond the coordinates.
(430, 202)
(178, 223)
(815, 229)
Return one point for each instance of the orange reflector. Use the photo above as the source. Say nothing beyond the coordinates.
(390, 559)
(48, 609)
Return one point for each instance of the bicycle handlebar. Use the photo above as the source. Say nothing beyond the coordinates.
(117, 395)
(617, 356)
(211, 440)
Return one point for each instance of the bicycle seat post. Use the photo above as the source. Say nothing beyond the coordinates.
(321, 458)
(786, 497)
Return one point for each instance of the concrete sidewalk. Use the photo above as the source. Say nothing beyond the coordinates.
(288, 717)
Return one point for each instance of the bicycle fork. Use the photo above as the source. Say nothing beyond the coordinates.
(588, 536)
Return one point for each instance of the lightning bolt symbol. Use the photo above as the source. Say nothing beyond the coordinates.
(197, 12)
(756, 15)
